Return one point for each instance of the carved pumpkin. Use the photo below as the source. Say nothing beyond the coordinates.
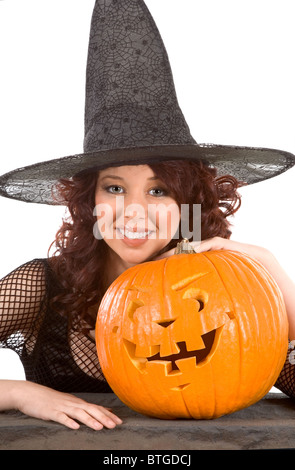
(193, 335)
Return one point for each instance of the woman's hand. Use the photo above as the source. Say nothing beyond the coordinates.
(45, 403)
(218, 243)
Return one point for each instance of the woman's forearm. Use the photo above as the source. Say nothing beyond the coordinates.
(286, 285)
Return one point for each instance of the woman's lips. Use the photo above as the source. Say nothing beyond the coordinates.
(134, 238)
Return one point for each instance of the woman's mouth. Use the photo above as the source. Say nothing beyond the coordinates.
(137, 235)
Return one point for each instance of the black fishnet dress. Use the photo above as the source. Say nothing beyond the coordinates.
(53, 356)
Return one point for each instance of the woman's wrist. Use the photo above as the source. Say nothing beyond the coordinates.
(10, 393)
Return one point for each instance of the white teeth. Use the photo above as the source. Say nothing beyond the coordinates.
(134, 235)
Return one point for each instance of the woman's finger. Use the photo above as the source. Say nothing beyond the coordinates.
(105, 416)
(93, 416)
(65, 420)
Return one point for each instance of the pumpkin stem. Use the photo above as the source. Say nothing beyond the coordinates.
(184, 247)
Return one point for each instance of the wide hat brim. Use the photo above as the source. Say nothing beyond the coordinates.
(36, 183)
(132, 115)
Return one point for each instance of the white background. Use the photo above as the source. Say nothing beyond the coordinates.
(233, 64)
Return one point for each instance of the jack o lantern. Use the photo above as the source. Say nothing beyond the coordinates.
(193, 335)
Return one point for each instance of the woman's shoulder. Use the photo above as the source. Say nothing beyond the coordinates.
(30, 285)
(23, 292)
(36, 273)
(35, 266)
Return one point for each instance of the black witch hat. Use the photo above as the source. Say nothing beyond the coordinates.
(132, 114)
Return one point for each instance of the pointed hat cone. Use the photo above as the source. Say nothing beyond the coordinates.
(130, 95)
(132, 115)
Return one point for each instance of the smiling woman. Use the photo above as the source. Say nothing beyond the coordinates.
(131, 196)
(80, 257)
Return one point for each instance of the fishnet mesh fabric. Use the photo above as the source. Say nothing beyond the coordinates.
(52, 354)
(286, 380)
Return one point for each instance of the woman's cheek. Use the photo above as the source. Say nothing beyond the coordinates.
(166, 218)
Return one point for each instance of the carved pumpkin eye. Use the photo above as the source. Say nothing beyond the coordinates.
(132, 307)
(199, 295)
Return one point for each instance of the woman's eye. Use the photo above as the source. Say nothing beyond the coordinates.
(158, 192)
(115, 189)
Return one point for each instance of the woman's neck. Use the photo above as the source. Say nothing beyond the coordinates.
(116, 266)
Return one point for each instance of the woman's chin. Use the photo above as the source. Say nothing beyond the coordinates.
(133, 257)
(133, 260)
(130, 252)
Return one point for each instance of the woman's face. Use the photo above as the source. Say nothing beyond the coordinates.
(136, 216)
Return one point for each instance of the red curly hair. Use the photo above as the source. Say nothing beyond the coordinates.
(80, 259)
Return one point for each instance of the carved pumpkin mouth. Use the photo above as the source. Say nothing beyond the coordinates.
(199, 354)
(210, 340)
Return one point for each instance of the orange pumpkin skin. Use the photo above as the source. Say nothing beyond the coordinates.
(154, 342)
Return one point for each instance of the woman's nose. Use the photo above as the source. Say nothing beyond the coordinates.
(135, 207)
(135, 211)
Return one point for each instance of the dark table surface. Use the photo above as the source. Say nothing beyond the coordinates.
(268, 424)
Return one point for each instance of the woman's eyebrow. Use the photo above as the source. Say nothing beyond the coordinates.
(152, 178)
(112, 177)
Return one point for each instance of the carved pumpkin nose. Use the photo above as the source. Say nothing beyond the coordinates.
(165, 323)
